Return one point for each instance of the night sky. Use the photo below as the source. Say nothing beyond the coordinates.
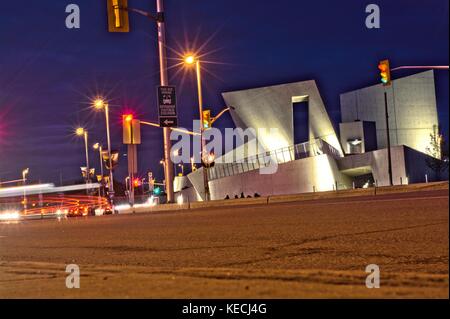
(48, 73)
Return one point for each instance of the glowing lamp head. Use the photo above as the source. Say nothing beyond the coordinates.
(211, 157)
(80, 131)
(96, 146)
(190, 59)
(128, 118)
(99, 104)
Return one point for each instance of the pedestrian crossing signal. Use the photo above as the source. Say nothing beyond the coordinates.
(118, 16)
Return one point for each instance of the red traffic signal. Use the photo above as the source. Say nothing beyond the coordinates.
(131, 130)
(137, 182)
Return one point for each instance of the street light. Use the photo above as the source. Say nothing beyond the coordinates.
(98, 147)
(101, 105)
(176, 153)
(84, 133)
(193, 167)
(24, 178)
(182, 169)
(190, 60)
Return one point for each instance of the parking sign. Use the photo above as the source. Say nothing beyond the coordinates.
(167, 102)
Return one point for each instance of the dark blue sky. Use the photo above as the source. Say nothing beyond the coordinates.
(48, 72)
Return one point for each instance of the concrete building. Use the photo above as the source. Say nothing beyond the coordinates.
(309, 154)
(358, 137)
(412, 110)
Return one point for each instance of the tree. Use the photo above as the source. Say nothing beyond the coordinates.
(438, 153)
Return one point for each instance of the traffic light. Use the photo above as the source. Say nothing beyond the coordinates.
(118, 16)
(131, 130)
(385, 72)
(207, 121)
(137, 183)
(157, 191)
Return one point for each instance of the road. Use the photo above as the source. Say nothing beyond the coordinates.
(311, 249)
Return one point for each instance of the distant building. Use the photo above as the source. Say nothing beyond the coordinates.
(310, 154)
(412, 110)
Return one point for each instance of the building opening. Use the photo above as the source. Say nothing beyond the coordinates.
(300, 110)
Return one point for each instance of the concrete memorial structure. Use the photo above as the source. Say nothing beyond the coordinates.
(311, 156)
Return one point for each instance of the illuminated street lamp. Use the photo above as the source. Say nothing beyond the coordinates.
(190, 60)
(98, 147)
(24, 178)
(182, 169)
(176, 153)
(193, 167)
(25, 172)
(84, 133)
(101, 105)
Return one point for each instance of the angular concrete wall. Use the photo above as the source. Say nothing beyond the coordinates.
(412, 110)
(301, 176)
(272, 107)
(408, 166)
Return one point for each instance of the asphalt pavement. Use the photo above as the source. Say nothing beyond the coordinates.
(310, 249)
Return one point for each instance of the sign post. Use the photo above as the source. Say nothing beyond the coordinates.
(132, 138)
(167, 106)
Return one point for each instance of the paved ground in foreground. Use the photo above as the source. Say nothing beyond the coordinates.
(295, 250)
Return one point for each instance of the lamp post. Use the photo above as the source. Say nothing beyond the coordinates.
(163, 163)
(176, 153)
(24, 178)
(168, 173)
(99, 148)
(182, 169)
(191, 60)
(84, 133)
(101, 105)
(193, 168)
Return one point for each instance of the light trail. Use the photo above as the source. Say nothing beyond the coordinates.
(44, 189)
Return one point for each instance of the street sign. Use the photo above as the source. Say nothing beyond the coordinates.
(167, 106)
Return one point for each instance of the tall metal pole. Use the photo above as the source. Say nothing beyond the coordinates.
(24, 178)
(388, 139)
(164, 82)
(203, 146)
(100, 151)
(86, 145)
(111, 177)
